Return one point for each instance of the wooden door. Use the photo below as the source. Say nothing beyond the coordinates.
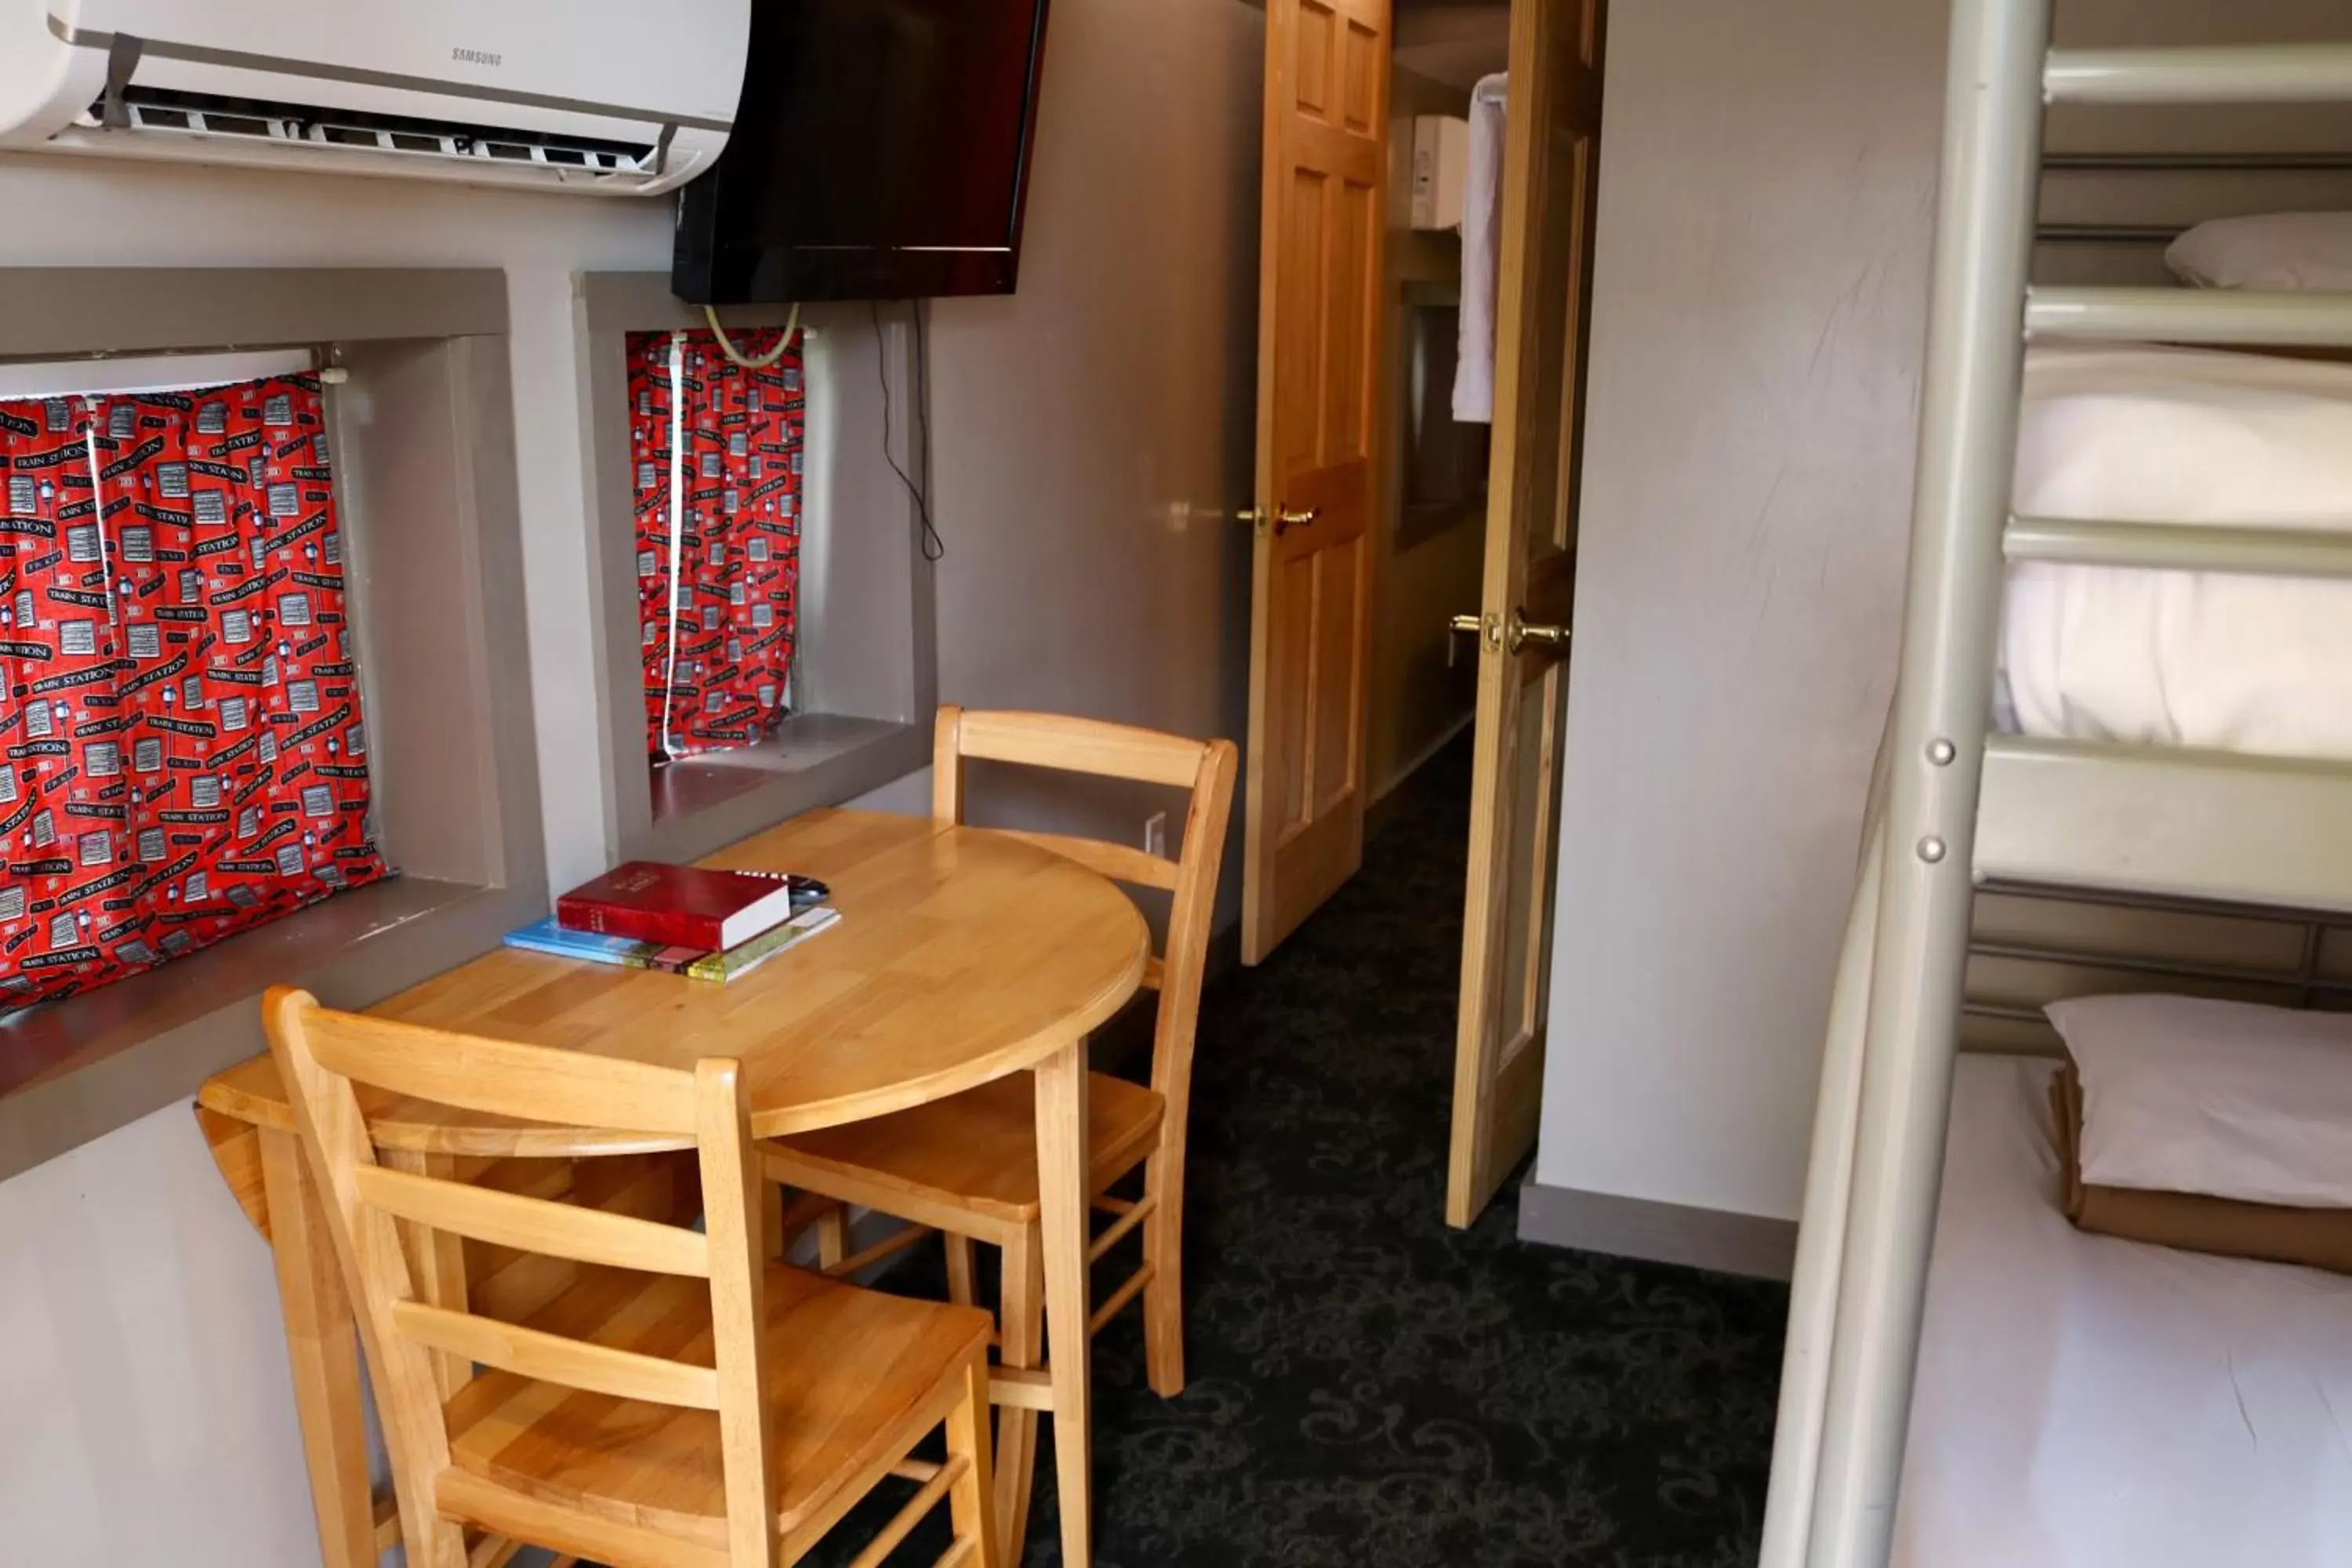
(1542, 301)
(1326, 91)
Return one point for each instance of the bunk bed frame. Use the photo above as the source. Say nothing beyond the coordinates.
(1954, 804)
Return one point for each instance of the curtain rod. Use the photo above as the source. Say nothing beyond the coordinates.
(128, 376)
(2196, 163)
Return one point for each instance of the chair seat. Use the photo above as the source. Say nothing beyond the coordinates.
(975, 1152)
(856, 1378)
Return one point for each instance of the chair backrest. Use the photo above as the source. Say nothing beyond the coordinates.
(324, 1054)
(1204, 768)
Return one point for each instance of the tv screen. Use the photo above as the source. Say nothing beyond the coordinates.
(881, 152)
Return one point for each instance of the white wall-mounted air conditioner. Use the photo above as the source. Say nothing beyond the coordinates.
(613, 97)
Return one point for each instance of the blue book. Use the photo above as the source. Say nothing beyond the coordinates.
(546, 936)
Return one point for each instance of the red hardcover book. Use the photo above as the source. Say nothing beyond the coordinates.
(683, 906)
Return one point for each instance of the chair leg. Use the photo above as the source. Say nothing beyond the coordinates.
(832, 1235)
(1163, 1252)
(958, 1267)
(442, 1544)
(771, 1220)
(1021, 1330)
(970, 1502)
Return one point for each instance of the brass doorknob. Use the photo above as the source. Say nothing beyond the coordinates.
(1284, 520)
(1545, 639)
(1517, 634)
(1486, 629)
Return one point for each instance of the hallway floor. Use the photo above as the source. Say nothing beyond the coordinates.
(1368, 1387)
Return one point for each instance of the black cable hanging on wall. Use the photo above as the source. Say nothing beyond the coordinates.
(934, 547)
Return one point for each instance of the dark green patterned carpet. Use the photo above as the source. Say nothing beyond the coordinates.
(1368, 1387)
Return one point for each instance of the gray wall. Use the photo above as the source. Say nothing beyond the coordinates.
(1767, 181)
(1766, 198)
(1093, 434)
(150, 1410)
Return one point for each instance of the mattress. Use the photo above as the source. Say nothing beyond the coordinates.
(2088, 1402)
(2137, 433)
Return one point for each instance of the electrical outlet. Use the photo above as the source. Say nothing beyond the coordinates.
(1155, 835)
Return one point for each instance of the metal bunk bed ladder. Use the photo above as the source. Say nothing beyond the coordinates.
(2198, 824)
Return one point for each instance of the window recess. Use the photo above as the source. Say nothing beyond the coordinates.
(183, 747)
(846, 652)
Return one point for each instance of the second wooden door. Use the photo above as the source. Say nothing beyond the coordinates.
(1326, 91)
(1550, 169)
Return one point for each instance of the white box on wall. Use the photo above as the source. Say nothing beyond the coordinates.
(1441, 165)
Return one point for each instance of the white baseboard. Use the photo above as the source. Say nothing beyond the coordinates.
(1658, 1232)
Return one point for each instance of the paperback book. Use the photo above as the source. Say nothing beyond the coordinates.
(549, 936)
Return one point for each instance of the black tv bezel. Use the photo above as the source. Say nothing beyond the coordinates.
(704, 274)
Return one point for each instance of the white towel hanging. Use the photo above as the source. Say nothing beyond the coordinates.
(1482, 219)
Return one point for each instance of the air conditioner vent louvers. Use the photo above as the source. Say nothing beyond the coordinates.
(164, 111)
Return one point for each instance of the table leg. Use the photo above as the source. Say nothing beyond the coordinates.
(1062, 1159)
(322, 1344)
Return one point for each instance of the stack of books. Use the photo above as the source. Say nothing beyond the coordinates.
(710, 925)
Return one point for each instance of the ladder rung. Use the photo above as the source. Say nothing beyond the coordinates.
(2165, 821)
(2194, 162)
(2190, 315)
(2180, 547)
(2107, 233)
(2241, 73)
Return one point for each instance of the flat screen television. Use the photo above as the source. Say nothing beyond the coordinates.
(881, 152)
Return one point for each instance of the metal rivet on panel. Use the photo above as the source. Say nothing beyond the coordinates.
(1941, 752)
(1931, 849)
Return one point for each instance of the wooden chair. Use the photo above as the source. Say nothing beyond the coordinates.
(967, 1166)
(683, 1403)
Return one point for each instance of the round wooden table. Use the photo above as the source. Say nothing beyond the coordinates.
(961, 955)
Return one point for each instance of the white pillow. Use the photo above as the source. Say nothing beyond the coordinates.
(2276, 251)
(2184, 1094)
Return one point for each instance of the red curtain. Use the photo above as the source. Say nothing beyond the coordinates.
(738, 535)
(184, 752)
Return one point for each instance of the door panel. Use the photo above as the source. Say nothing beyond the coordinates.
(1337, 632)
(1315, 26)
(1325, 194)
(1543, 298)
(1346, 395)
(1301, 326)
(1366, 74)
(1586, 179)
(1522, 993)
(1294, 614)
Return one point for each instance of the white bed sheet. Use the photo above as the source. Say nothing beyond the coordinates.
(2088, 1402)
(2138, 433)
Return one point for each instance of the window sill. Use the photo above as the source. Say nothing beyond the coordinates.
(703, 804)
(78, 1069)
